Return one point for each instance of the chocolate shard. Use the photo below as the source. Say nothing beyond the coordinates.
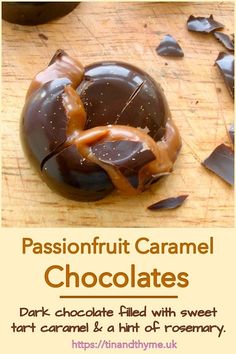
(221, 162)
(203, 24)
(225, 63)
(231, 133)
(169, 203)
(225, 40)
(169, 47)
(124, 154)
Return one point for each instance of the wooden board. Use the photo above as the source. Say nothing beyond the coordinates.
(197, 96)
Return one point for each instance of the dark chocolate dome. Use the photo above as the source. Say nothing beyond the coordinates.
(105, 93)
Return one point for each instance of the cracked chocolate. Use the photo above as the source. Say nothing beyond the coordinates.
(88, 130)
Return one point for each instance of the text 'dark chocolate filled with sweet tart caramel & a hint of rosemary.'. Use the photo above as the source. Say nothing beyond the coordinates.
(90, 130)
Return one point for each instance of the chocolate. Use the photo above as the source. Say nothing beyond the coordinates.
(231, 133)
(225, 63)
(169, 203)
(124, 154)
(169, 47)
(221, 162)
(113, 83)
(35, 13)
(225, 40)
(44, 120)
(203, 24)
(88, 130)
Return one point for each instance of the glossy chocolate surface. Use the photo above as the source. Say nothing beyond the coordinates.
(44, 120)
(113, 84)
(35, 13)
(221, 162)
(112, 93)
(225, 63)
(169, 203)
(203, 24)
(169, 47)
(225, 40)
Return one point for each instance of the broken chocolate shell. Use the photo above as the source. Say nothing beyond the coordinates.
(203, 24)
(113, 85)
(225, 40)
(114, 131)
(127, 156)
(169, 47)
(225, 63)
(124, 154)
(169, 203)
(221, 162)
(43, 127)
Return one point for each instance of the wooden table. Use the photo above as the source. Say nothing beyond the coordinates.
(197, 96)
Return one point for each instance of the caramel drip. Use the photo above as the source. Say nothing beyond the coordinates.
(74, 110)
(165, 150)
(62, 66)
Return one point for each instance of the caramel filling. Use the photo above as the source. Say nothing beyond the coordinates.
(62, 66)
(165, 150)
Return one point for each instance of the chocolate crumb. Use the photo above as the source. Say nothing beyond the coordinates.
(43, 36)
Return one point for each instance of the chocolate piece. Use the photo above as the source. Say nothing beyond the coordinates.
(231, 133)
(203, 24)
(225, 40)
(74, 177)
(221, 162)
(35, 13)
(44, 120)
(169, 203)
(124, 154)
(86, 142)
(169, 47)
(225, 63)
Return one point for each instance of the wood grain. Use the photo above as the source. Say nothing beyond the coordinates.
(197, 96)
